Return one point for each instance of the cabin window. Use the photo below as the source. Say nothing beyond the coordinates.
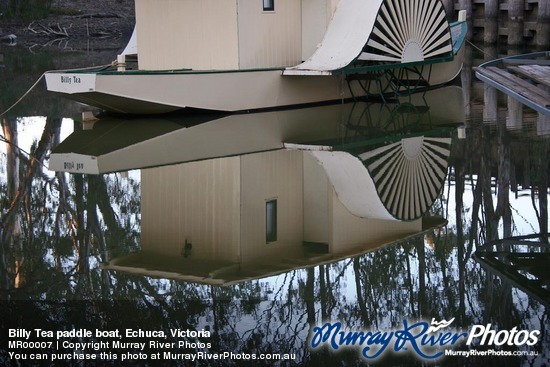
(269, 5)
(271, 221)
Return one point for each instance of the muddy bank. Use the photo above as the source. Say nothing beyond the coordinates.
(73, 24)
(95, 33)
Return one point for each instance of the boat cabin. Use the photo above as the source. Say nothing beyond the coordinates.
(327, 34)
(226, 35)
(235, 56)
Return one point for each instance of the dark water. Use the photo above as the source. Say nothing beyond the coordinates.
(58, 228)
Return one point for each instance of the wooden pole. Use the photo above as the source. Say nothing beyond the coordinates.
(514, 115)
(542, 39)
(516, 10)
(543, 124)
(490, 30)
(490, 107)
(449, 9)
(467, 5)
(466, 79)
(490, 94)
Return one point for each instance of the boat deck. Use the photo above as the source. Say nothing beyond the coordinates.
(525, 78)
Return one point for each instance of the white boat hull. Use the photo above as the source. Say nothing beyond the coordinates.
(151, 93)
(359, 56)
(139, 92)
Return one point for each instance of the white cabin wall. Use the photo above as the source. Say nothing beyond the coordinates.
(316, 201)
(265, 176)
(196, 34)
(270, 38)
(315, 18)
(350, 232)
(199, 201)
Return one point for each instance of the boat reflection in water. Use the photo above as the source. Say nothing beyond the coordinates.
(247, 196)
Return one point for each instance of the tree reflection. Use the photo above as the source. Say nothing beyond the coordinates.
(56, 229)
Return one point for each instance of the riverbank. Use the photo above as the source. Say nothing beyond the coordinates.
(77, 22)
(95, 33)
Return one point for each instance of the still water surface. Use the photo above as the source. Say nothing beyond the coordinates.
(59, 228)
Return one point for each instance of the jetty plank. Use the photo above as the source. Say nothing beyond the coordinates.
(539, 73)
(526, 61)
(517, 85)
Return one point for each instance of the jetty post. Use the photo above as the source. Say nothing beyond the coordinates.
(490, 31)
(516, 12)
(449, 8)
(467, 5)
(520, 22)
(543, 24)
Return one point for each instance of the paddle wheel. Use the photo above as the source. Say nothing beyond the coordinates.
(406, 39)
(408, 31)
(404, 154)
(409, 173)
(388, 53)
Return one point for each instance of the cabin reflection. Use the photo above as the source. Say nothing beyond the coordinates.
(261, 194)
(221, 208)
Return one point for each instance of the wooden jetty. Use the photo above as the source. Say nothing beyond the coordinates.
(518, 22)
(525, 78)
(522, 261)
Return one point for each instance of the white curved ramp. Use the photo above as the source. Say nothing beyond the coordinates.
(380, 31)
(345, 37)
(353, 184)
(131, 48)
(398, 181)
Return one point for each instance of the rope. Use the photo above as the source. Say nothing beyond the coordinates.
(3, 138)
(480, 50)
(102, 67)
(24, 95)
